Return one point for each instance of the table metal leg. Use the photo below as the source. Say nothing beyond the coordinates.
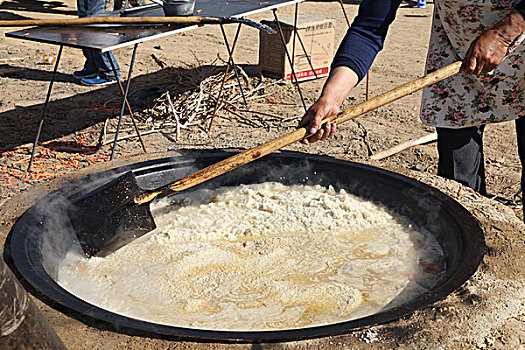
(233, 64)
(124, 102)
(129, 107)
(367, 84)
(306, 53)
(344, 13)
(217, 103)
(44, 111)
(296, 35)
(295, 32)
(289, 58)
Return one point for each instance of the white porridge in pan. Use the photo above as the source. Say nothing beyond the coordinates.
(260, 257)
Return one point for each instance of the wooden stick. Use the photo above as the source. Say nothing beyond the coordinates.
(176, 115)
(299, 134)
(11, 59)
(250, 155)
(112, 20)
(405, 145)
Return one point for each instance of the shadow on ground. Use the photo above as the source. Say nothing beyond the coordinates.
(65, 116)
(38, 6)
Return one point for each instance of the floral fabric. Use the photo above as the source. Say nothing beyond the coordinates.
(466, 100)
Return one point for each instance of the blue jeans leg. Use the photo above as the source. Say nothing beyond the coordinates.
(89, 65)
(103, 64)
(90, 7)
(97, 62)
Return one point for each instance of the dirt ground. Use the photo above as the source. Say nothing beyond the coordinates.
(487, 312)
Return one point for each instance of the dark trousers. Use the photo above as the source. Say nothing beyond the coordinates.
(461, 155)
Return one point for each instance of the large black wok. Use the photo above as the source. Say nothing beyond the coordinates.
(40, 239)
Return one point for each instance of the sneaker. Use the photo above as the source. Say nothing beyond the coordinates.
(84, 73)
(97, 81)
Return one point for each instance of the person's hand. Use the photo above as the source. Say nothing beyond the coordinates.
(341, 80)
(488, 50)
(321, 109)
(485, 53)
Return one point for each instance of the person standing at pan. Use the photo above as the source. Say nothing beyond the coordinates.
(489, 36)
(98, 69)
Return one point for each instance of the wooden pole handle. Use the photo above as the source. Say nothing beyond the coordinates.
(297, 135)
(112, 20)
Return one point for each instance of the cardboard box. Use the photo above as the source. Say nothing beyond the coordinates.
(318, 36)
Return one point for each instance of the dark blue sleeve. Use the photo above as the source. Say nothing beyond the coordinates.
(365, 37)
(521, 7)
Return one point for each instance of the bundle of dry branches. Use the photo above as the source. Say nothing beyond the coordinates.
(189, 103)
(192, 101)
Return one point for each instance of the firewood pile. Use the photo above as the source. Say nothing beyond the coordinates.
(192, 103)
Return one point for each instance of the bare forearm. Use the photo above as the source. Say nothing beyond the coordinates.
(340, 82)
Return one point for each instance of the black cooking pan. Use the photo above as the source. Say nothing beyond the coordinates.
(42, 238)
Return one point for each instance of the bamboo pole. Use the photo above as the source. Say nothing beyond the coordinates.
(299, 134)
(176, 20)
(250, 155)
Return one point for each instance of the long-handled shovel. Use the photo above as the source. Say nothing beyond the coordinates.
(119, 212)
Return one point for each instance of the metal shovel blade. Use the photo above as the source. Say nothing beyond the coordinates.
(106, 219)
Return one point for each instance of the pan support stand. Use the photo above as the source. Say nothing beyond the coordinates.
(231, 62)
(44, 111)
(228, 65)
(124, 101)
(283, 40)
